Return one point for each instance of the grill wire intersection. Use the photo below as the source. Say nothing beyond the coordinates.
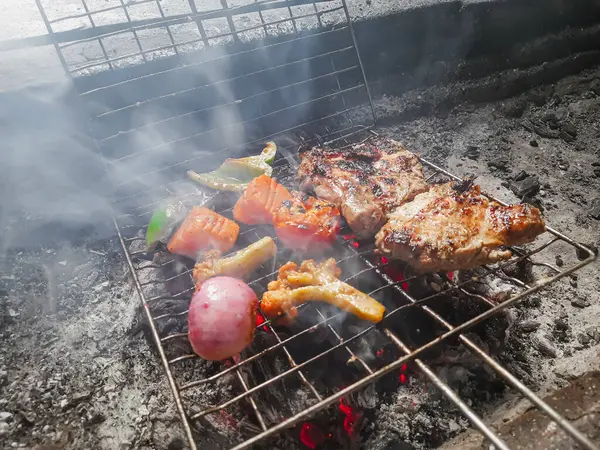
(336, 87)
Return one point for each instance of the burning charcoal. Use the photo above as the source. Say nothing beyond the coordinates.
(500, 163)
(595, 209)
(580, 302)
(526, 187)
(534, 143)
(472, 152)
(544, 346)
(527, 326)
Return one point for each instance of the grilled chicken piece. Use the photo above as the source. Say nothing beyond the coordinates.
(316, 282)
(365, 181)
(444, 230)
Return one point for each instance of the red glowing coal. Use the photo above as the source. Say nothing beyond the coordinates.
(259, 321)
(311, 435)
(350, 419)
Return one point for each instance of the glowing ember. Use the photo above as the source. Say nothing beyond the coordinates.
(394, 273)
(379, 352)
(227, 419)
(355, 244)
(347, 237)
(403, 377)
(259, 321)
(310, 435)
(351, 416)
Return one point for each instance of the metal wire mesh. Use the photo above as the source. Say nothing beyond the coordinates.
(154, 75)
(364, 262)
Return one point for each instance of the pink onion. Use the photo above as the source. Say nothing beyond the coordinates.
(222, 318)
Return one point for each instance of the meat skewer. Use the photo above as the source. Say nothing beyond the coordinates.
(443, 229)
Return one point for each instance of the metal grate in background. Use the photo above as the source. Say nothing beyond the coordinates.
(182, 84)
(229, 77)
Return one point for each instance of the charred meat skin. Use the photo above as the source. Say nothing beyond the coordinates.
(365, 181)
(444, 230)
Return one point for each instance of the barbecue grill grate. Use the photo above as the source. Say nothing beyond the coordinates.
(368, 264)
(295, 77)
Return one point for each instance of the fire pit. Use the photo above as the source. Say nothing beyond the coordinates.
(291, 72)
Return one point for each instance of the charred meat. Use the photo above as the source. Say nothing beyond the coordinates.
(447, 230)
(366, 181)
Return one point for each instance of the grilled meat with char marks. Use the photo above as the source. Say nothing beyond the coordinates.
(365, 181)
(443, 230)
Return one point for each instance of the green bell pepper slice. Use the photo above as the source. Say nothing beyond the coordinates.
(236, 174)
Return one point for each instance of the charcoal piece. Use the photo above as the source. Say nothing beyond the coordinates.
(559, 261)
(551, 119)
(472, 152)
(542, 129)
(527, 326)
(534, 143)
(544, 346)
(521, 176)
(595, 208)
(568, 131)
(561, 325)
(580, 302)
(532, 302)
(584, 338)
(581, 254)
(527, 187)
(500, 163)
(513, 107)
(594, 333)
